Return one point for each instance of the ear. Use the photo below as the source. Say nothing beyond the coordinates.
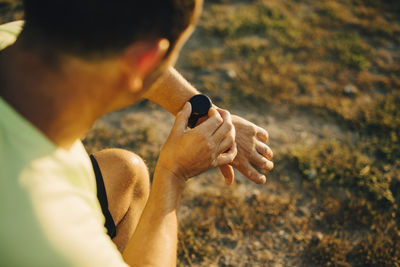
(141, 58)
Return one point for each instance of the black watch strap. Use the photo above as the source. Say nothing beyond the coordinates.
(193, 120)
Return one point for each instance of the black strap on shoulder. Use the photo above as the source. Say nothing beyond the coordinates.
(102, 196)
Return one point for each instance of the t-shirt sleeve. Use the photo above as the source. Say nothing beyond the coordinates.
(76, 231)
(69, 214)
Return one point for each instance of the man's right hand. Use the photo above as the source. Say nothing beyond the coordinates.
(186, 153)
(189, 152)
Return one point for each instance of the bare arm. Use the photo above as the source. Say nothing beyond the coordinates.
(172, 93)
(154, 242)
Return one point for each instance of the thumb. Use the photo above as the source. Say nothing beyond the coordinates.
(181, 120)
(227, 172)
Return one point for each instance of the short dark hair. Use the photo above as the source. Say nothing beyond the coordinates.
(102, 27)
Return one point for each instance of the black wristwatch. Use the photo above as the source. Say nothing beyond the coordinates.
(200, 106)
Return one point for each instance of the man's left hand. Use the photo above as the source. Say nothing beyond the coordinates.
(252, 152)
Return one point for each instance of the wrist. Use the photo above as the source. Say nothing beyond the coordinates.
(166, 189)
(163, 174)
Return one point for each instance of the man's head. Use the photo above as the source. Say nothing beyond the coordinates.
(145, 34)
(98, 28)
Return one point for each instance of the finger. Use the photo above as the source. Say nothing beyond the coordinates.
(226, 144)
(262, 134)
(264, 150)
(213, 122)
(227, 157)
(228, 173)
(182, 117)
(252, 174)
(261, 162)
(226, 126)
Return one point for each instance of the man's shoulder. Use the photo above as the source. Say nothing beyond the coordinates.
(9, 33)
(26, 150)
(68, 168)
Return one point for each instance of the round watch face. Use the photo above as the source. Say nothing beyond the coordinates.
(200, 105)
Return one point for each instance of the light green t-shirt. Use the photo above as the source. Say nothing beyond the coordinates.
(49, 212)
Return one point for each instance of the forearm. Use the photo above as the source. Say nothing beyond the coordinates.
(172, 93)
(154, 242)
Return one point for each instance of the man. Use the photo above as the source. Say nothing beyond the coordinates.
(73, 62)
